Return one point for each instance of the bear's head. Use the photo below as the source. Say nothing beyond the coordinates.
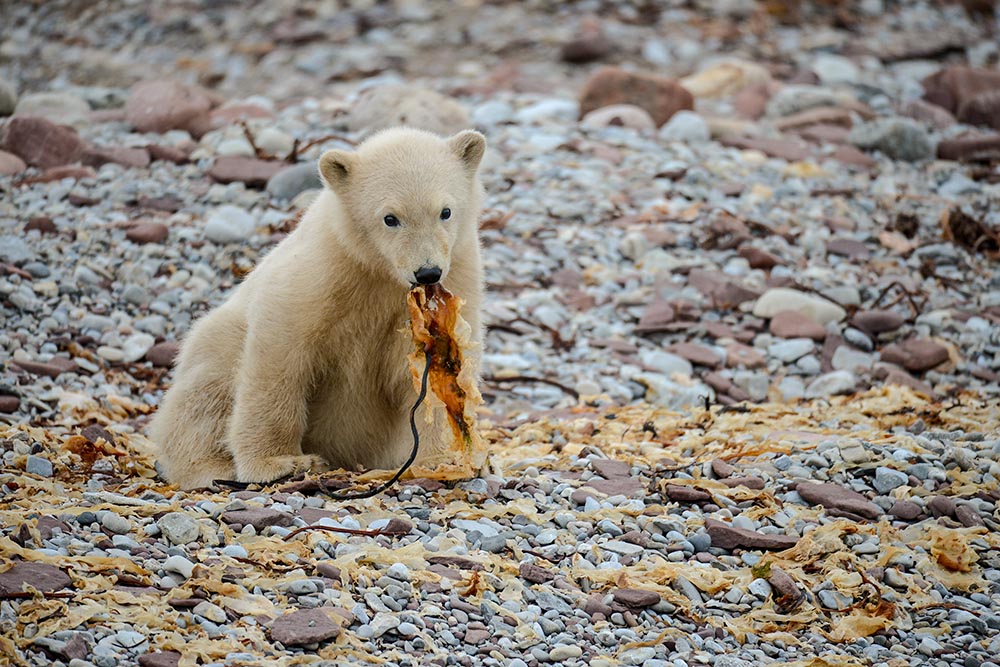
(410, 197)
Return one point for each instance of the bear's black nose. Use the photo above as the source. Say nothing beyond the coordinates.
(427, 275)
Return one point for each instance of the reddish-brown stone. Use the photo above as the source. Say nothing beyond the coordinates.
(660, 96)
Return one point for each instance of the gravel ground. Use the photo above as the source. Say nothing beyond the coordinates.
(741, 366)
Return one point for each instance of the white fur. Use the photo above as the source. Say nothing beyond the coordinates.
(304, 366)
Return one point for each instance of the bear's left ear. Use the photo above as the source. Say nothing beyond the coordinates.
(335, 168)
(469, 146)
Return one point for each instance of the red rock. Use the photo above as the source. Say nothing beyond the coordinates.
(43, 224)
(759, 259)
(893, 375)
(52, 368)
(303, 626)
(589, 45)
(731, 294)
(726, 536)
(160, 659)
(59, 173)
(739, 354)
(836, 497)
(11, 164)
(251, 171)
(877, 321)
(981, 147)
(786, 593)
(657, 315)
(259, 517)
(697, 354)
(749, 482)
(636, 598)
(41, 143)
(824, 134)
(477, 636)
(815, 116)
(686, 494)
(328, 570)
(723, 292)
(718, 382)
(147, 232)
(234, 113)
(804, 76)
(536, 574)
(785, 149)
(168, 203)
(942, 506)
(95, 433)
(595, 605)
(905, 510)
(849, 248)
(163, 354)
(162, 105)
(930, 114)
(751, 102)
(722, 469)
(9, 404)
(983, 109)
(915, 354)
(611, 468)
(41, 576)
(968, 517)
(95, 156)
(853, 157)
(956, 85)
(793, 324)
(167, 154)
(660, 96)
(618, 486)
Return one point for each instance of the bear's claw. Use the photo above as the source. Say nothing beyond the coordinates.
(275, 468)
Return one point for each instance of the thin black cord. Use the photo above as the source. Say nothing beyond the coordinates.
(416, 443)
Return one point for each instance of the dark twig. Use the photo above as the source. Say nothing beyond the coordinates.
(348, 531)
(298, 150)
(529, 378)
(258, 152)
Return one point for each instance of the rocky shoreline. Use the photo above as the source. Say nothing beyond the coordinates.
(742, 359)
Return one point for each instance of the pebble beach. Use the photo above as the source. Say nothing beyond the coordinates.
(742, 352)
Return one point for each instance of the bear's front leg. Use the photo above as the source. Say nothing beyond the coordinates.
(270, 411)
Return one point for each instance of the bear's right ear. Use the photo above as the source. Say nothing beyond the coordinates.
(335, 168)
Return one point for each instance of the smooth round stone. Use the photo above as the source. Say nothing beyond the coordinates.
(136, 346)
(112, 354)
(760, 587)
(179, 565)
(179, 528)
(564, 652)
(288, 183)
(229, 224)
(399, 572)
(274, 141)
(687, 127)
(234, 551)
(116, 523)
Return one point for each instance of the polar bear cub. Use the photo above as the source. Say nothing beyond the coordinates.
(304, 367)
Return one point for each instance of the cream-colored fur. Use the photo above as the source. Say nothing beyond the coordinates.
(304, 366)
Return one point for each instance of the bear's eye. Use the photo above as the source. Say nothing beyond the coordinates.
(391, 220)
(445, 213)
